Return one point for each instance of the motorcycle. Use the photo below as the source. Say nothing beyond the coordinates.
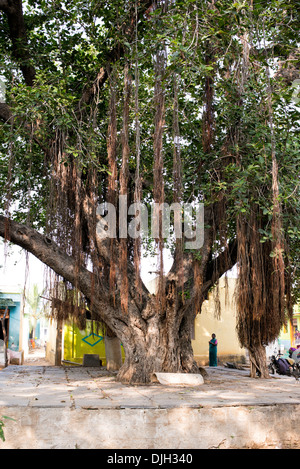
(284, 366)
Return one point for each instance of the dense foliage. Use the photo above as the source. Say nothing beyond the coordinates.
(221, 73)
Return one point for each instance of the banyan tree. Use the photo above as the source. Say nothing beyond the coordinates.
(114, 112)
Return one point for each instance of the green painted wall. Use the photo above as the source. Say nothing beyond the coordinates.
(78, 342)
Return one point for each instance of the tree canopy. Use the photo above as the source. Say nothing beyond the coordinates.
(166, 101)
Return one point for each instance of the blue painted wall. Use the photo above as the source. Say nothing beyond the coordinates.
(14, 319)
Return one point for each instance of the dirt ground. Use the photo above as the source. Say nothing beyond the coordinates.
(36, 357)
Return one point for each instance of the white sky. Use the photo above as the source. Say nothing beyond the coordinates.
(13, 268)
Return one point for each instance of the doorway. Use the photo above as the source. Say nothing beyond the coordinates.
(6, 324)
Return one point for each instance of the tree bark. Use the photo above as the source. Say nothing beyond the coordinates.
(164, 344)
(18, 35)
(258, 362)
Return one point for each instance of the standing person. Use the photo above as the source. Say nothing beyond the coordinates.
(213, 346)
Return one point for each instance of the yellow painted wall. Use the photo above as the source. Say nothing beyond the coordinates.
(207, 323)
(79, 342)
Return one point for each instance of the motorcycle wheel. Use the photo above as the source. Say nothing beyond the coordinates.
(271, 369)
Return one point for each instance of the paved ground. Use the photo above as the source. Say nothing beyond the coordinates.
(36, 384)
(37, 358)
(78, 407)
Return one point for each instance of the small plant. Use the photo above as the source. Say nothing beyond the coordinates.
(2, 425)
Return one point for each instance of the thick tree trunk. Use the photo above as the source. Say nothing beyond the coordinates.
(159, 348)
(258, 362)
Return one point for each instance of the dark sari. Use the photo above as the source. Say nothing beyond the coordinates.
(213, 352)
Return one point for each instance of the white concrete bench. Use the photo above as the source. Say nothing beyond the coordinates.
(15, 358)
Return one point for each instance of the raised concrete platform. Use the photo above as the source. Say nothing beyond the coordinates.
(81, 407)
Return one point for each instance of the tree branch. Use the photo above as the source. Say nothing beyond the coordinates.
(49, 253)
(4, 5)
(5, 112)
(46, 250)
(17, 31)
(116, 53)
(220, 265)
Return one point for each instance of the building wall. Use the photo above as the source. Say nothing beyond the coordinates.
(51, 341)
(15, 326)
(78, 342)
(207, 323)
(224, 326)
(290, 334)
